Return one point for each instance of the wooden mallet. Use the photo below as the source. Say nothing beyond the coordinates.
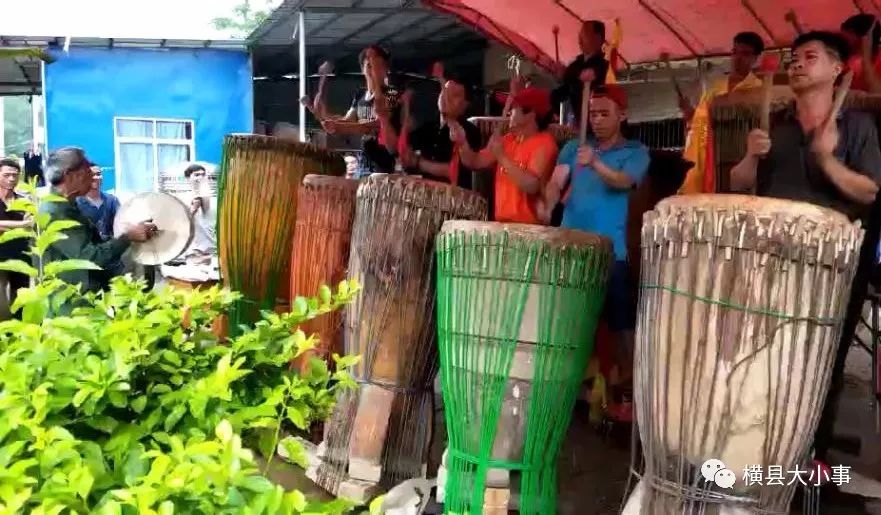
(767, 68)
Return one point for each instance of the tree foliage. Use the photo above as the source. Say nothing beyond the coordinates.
(131, 405)
(244, 19)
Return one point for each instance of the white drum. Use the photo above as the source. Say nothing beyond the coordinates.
(170, 216)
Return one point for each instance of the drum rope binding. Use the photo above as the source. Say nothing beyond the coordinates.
(517, 310)
(739, 318)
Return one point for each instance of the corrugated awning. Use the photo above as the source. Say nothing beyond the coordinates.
(682, 28)
(337, 30)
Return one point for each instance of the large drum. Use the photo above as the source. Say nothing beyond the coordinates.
(739, 320)
(325, 213)
(259, 182)
(518, 307)
(379, 434)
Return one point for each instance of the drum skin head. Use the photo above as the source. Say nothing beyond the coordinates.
(169, 214)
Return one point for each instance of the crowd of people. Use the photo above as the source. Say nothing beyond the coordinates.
(807, 155)
(71, 175)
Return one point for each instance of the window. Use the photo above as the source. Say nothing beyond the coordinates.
(145, 147)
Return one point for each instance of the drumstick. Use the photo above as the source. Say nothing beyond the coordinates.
(840, 96)
(792, 18)
(585, 107)
(324, 70)
(556, 30)
(404, 136)
(768, 67)
(665, 57)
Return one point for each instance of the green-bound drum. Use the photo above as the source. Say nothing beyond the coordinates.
(517, 310)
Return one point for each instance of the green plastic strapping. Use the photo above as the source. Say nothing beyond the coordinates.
(734, 306)
(490, 283)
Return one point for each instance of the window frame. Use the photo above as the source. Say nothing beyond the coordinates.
(153, 141)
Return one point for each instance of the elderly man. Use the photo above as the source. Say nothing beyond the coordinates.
(69, 172)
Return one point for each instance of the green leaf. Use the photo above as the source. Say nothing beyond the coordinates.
(58, 226)
(139, 404)
(346, 361)
(81, 480)
(166, 508)
(376, 505)
(103, 423)
(22, 205)
(55, 268)
(325, 294)
(45, 240)
(258, 484)
(16, 234)
(295, 452)
(296, 500)
(51, 197)
(174, 417)
(224, 431)
(16, 265)
(300, 307)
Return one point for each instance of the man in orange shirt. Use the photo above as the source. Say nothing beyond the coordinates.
(524, 158)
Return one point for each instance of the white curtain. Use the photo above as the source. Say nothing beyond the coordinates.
(134, 128)
(170, 155)
(136, 167)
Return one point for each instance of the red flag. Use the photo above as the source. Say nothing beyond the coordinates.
(709, 163)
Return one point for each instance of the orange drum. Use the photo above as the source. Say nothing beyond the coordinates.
(320, 256)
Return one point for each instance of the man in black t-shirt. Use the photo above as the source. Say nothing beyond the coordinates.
(831, 163)
(372, 106)
(431, 149)
(590, 65)
(806, 157)
(11, 282)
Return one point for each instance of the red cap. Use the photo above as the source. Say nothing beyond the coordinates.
(537, 100)
(614, 93)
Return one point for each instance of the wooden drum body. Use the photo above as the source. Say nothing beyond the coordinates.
(739, 321)
(379, 434)
(320, 256)
(259, 182)
(518, 307)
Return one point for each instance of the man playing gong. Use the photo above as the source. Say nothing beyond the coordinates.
(815, 155)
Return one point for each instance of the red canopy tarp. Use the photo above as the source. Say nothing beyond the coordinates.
(682, 28)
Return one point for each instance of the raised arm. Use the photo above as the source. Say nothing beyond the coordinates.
(859, 184)
(743, 174)
(476, 160)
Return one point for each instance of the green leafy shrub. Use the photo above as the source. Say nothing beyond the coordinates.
(131, 405)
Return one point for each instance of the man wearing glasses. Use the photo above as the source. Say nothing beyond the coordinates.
(70, 174)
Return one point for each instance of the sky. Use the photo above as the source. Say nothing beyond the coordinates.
(155, 19)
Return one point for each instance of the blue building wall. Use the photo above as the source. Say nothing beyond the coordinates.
(87, 87)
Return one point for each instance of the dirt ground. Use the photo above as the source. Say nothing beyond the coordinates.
(593, 468)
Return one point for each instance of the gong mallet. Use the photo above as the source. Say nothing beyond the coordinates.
(768, 67)
(792, 18)
(585, 108)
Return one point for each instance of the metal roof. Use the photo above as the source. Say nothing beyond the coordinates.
(58, 41)
(22, 75)
(338, 29)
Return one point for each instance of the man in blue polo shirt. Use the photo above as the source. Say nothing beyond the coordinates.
(602, 175)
